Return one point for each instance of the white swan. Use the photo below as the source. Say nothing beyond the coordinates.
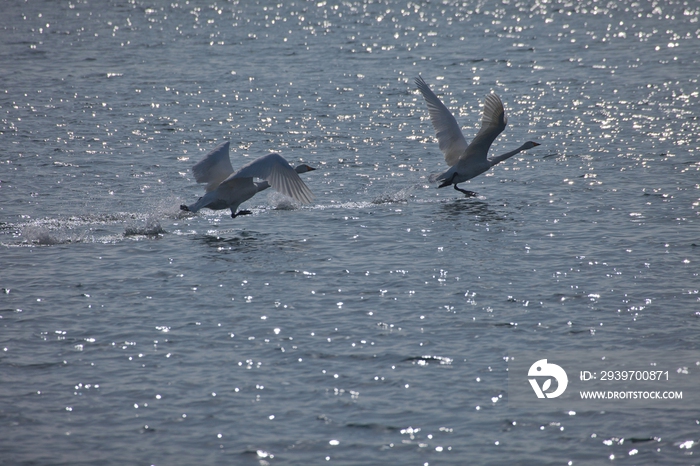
(466, 161)
(228, 190)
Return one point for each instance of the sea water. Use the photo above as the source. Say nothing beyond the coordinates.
(373, 326)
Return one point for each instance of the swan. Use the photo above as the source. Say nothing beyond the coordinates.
(466, 161)
(228, 190)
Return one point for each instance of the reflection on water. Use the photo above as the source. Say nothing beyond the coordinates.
(251, 245)
(472, 209)
(230, 241)
(370, 327)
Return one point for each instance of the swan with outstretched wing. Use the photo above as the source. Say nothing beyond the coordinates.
(466, 161)
(226, 189)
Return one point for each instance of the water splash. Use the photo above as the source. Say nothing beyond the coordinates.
(90, 228)
(148, 227)
(395, 197)
(279, 201)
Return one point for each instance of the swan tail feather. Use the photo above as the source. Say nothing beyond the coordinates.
(440, 178)
(208, 200)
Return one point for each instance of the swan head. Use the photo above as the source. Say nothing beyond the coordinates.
(530, 145)
(303, 168)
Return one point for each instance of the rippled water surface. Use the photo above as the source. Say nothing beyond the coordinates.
(372, 326)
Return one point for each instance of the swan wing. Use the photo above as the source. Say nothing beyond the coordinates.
(493, 122)
(274, 169)
(214, 168)
(235, 191)
(449, 135)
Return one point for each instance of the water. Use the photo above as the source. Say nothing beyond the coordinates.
(370, 327)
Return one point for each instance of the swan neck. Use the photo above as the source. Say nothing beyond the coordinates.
(502, 157)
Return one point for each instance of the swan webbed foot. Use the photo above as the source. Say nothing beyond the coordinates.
(241, 212)
(466, 193)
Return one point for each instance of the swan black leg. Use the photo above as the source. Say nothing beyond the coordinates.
(241, 212)
(466, 193)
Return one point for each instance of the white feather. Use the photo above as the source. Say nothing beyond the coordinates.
(214, 168)
(228, 190)
(466, 161)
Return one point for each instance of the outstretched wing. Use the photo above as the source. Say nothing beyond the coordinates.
(214, 168)
(274, 169)
(493, 123)
(449, 135)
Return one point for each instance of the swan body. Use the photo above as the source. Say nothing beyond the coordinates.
(226, 189)
(466, 161)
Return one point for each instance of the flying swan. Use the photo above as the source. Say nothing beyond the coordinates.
(466, 161)
(228, 190)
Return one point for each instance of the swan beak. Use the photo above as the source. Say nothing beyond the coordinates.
(536, 144)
